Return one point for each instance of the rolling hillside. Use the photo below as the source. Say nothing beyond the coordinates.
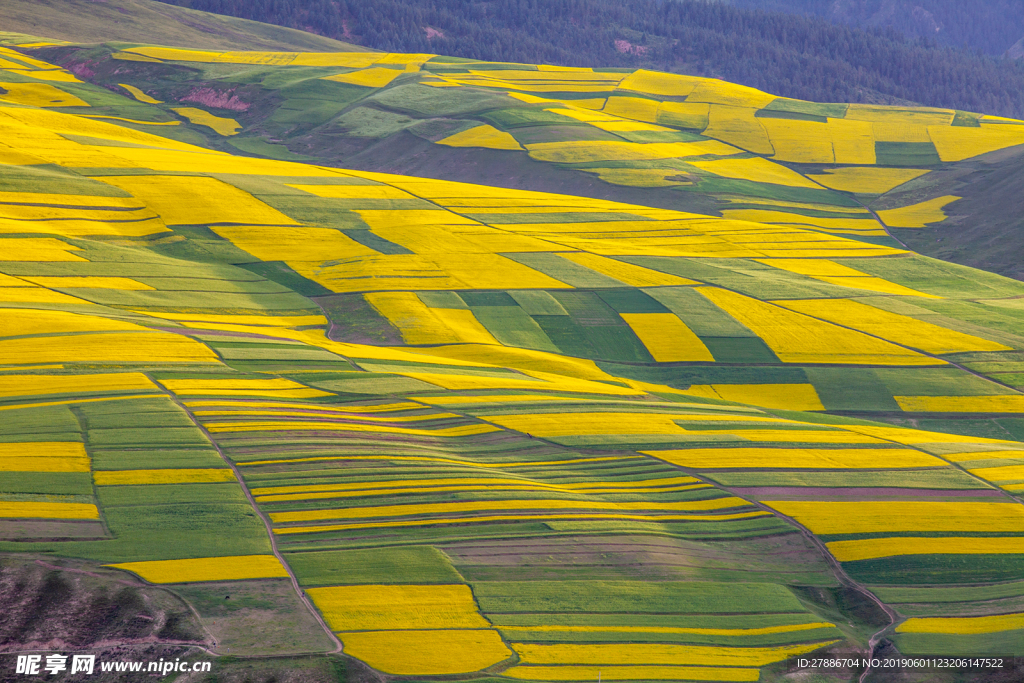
(662, 399)
(801, 55)
(91, 21)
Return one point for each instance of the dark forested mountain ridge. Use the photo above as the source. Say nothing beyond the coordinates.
(805, 57)
(989, 26)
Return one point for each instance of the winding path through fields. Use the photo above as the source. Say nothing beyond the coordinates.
(338, 647)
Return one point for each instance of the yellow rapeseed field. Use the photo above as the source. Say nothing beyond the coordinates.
(215, 201)
(269, 495)
(482, 136)
(149, 348)
(866, 180)
(890, 114)
(859, 517)
(802, 142)
(231, 568)
(434, 459)
(384, 607)
(738, 126)
(784, 396)
(918, 215)
(755, 169)
(636, 177)
(638, 109)
(90, 282)
(911, 437)
(318, 411)
(627, 273)
(530, 380)
(1010, 403)
(182, 476)
(656, 653)
(875, 284)
(797, 458)
(37, 211)
(1012, 452)
(304, 248)
(858, 225)
(526, 360)
(443, 521)
(956, 143)
(577, 423)
(667, 337)
(253, 320)
(375, 191)
(39, 95)
(374, 408)
(797, 338)
(963, 625)
(1008, 473)
(39, 249)
(497, 506)
(822, 436)
(420, 324)
(85, 227)
(718, 91)
(852, 141)
(659, 83)
(278, 387)
(872, 548)
(430, 653)
(33, 385)
(43, 456)
(685, 114)
(893, 327)
(436, 272)
(373, 77)
(355, 60)
(139, 95)
(26, 509)
(296, 425)
(35, 295)
(464, 325)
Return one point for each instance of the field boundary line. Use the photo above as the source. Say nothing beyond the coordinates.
(267, 525)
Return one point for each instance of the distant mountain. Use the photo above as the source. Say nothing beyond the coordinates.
(989, 26)
(806, 57)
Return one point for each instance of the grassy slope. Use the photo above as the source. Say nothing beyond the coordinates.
(151, 22)
(985, 229)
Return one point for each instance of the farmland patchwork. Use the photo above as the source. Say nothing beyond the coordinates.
(531, 434)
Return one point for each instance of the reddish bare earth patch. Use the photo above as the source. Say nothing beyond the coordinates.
(628, 48)
(49, 607)
(220, 99)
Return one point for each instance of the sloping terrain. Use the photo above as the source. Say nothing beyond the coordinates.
(789, 50)
(501, 433)
(95, 21)
(590, 134)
